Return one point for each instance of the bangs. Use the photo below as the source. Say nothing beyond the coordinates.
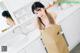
(37, 5)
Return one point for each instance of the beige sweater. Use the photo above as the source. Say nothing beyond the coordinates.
(53, 40)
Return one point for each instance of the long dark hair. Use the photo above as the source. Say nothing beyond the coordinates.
(37, 5)
(41, 24)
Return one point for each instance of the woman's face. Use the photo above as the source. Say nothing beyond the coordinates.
(40, 12)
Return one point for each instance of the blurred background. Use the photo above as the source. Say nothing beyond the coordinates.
(24, 37)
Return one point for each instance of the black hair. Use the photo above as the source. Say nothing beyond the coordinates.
(6, 14)
(37, 5)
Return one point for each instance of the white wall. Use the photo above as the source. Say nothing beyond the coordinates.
(71, 28)
(19, 9)
(14, 4)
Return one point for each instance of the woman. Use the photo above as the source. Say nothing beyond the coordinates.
(9, 19)
(50, 29)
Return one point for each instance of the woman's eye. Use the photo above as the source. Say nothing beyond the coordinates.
(38, 9)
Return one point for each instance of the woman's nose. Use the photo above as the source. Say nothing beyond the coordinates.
(39, 14)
